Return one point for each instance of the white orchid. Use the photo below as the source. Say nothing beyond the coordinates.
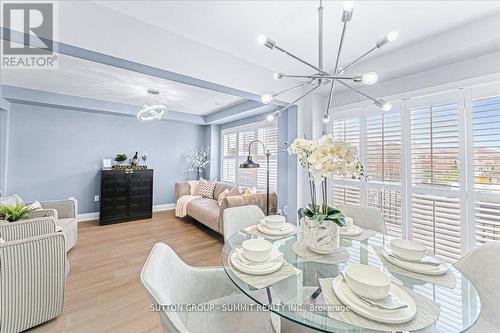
(324, 158)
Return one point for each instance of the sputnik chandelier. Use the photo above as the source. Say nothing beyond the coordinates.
(322, 77)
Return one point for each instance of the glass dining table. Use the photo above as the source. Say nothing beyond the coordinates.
(459, 303)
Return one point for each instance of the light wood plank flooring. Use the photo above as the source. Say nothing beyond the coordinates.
(103, 291)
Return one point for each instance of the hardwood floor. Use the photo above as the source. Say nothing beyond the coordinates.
(103, 292)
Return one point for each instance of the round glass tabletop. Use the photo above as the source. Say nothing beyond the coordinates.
(459, 302)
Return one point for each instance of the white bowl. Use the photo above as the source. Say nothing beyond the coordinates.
(256, 249)
(408, 249)
(367, 281)
(349, 223)
(275, 220)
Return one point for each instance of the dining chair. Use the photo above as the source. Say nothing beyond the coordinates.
(170, 281)
(480, 266)
(365, 217)
(237, 218)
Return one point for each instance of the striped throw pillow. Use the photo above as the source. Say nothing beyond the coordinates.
(206, 188)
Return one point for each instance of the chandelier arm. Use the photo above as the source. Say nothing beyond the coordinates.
(343, 69)
(298, 99)
(295, 87)
(332, 86)
(357, 90)
(297, 58)
(315, 77)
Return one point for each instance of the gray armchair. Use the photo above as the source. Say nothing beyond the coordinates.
(33, 269)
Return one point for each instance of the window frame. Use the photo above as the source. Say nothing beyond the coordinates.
(256, 149)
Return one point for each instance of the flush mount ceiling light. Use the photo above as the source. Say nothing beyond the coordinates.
(152, 112)
(322, 77)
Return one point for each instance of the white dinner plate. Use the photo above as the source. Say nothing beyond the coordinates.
(349, 298)
(416, 267)
(248, 269)
(274, 227)
(353, 231)
(275, 232)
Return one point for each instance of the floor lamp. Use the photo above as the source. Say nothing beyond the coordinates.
(249, 164)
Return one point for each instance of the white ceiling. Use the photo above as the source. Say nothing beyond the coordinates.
(216, 41)
(232, 26)
(88, 79)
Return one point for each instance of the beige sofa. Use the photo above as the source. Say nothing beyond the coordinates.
(207, 210)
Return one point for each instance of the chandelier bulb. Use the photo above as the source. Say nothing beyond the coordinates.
(369, 78)
(384, 105)
(266, 98)
(326, 118)
(348, 5)
(392, 36)
(262, 39)
(273, 116)
(278, 76)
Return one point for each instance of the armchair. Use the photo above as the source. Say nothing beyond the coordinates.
(64, 213)
(32, 278)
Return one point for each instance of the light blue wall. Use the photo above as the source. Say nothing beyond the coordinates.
(56, 152)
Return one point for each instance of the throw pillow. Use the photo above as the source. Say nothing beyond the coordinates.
(2, 240)
(35, 205)
(206, 188)
(193, 184)
(249, 190)
(222, 196)
(234, 191)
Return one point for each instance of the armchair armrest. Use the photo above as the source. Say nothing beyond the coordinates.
(65, 208)
(23, 229)
(40, 213)
(181, 188)
(33, 268)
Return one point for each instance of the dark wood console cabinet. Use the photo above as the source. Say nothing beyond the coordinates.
(126, 195)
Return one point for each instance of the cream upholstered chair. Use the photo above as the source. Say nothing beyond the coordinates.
(33, 272)
(365, 217)
(238, 218)
(481, 267)
(169, 281)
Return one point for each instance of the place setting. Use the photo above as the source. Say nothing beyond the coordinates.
(410, 258)
(272, 227)
(375, 302)
(352, 231)
(259, 263)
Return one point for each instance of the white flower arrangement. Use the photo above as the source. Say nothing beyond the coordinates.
(197, 159)
(324, 158)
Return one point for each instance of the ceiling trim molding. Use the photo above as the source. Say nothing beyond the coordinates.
(4, 104)
(17, 95)
(239, 111)
(78, 52)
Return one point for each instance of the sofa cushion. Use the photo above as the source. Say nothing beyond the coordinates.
(220, 187)
(205, 211)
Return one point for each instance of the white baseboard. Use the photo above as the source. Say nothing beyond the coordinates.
(95, 215)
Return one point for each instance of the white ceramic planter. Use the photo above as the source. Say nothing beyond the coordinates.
(321, 237)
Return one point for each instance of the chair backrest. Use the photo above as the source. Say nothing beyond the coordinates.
(22, 229)
(481, 267)
(166, 280)
(365, 217)
(237, 218)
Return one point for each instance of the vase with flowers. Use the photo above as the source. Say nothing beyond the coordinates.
(323, 158)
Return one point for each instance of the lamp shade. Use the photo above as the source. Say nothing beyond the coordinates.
(249, 164)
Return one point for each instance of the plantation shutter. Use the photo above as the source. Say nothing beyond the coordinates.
(486, 151)
(235, 151)
(436, 212)
(390, 204)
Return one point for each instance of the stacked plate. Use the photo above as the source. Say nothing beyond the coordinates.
(350, 230)
(413, 256)
(275, 225)
(256, 257)
(370, 293)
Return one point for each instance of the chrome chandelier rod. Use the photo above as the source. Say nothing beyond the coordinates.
(321, 76)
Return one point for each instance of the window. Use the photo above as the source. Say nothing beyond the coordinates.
(235, 143)
(432, 166)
